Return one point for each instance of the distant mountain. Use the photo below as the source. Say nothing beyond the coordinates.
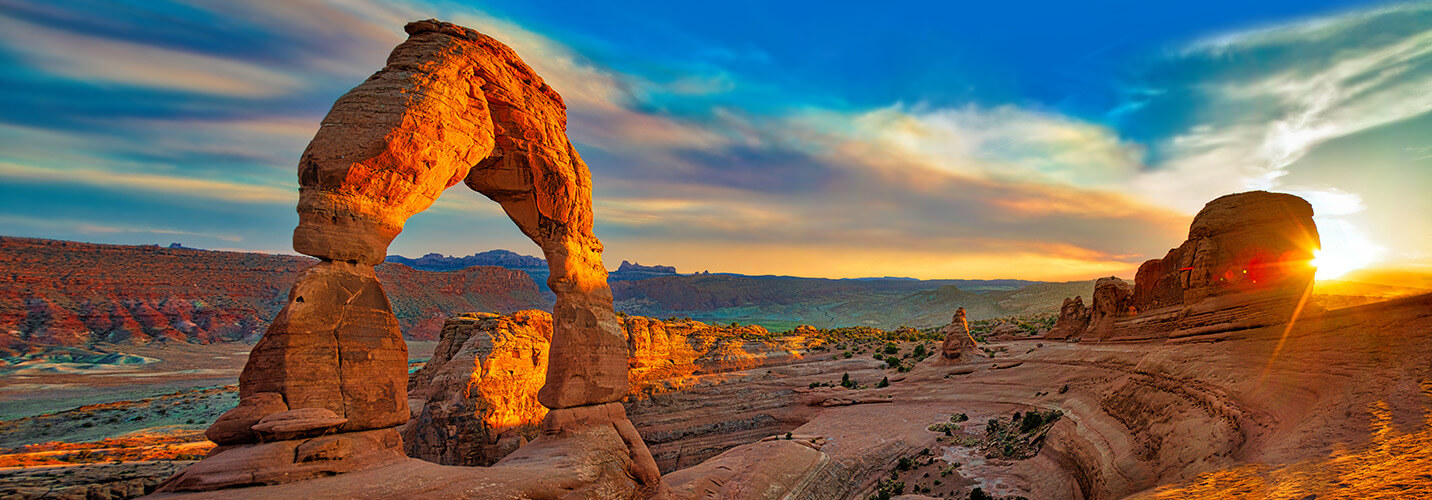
(499, 258)
(533, 266)
(69, 293)
(629, 271)
(783, 301)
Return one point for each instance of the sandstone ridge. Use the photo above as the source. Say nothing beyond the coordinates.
(1246, 264)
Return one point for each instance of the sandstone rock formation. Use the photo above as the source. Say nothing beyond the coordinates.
(475, 401)
(451, 105)
(957, 336)
(1245, 265)
(1113, 299)
(1073, 320)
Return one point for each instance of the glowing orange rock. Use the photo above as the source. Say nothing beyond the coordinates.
(451, 105)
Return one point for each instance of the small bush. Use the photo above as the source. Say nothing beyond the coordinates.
(892, 348)
(884, 382)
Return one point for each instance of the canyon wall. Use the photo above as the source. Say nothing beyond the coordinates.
(69, 293)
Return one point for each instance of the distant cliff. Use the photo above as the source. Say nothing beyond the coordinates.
(68, 293)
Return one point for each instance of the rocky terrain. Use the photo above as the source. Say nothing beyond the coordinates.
(491, 366)
(73, 294)
(1130, 416)
(1209, 375)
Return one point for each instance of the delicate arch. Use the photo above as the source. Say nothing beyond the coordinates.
(455, 105)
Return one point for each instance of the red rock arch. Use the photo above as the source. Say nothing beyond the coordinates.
(450, 105)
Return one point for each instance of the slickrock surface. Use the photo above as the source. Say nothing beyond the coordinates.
(71, 294)
(1246, 264)
(957, 336)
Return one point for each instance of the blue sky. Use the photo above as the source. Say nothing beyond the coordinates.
(1049, 140)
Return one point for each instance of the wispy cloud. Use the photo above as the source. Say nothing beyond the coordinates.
(167, 185)
(91, 228)
(111, 61)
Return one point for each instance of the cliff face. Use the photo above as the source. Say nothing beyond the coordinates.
(1245, 265)
(69, 293)
(475, 401)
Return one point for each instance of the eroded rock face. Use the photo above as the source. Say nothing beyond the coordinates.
(475, 401)
(451, 105)
(1113, 299)
(957, 336)
(1073, 320)
(1245, 265)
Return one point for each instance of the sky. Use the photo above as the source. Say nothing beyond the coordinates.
(1035, 140)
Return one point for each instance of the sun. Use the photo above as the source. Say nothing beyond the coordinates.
(1330, 267)
(1345, 248)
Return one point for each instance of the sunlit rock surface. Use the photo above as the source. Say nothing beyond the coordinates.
(1246, 264)
(475, 401)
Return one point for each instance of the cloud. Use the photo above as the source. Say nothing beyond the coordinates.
(222, 110)
(91, 228)
(167, 185)
(103, 60)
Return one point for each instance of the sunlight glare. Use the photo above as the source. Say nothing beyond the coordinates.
(1344, 249)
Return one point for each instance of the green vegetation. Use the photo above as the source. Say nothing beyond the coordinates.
(884, 382)
(888, 488)
(1021, 436)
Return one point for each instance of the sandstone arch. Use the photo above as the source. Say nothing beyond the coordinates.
(450, 105)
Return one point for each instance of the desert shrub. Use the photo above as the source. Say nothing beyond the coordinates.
(846, 382)
(905, 464)
(919, 352)
(892, 348)
(888, 488)
(884, 382)
(979, 494)
(959, 417)
(892, 361)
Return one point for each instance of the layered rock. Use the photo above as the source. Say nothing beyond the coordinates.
(475, 401)
(1073, 320)
(1246, 264)
(63, 293)
(451, 105)
(957, 336)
